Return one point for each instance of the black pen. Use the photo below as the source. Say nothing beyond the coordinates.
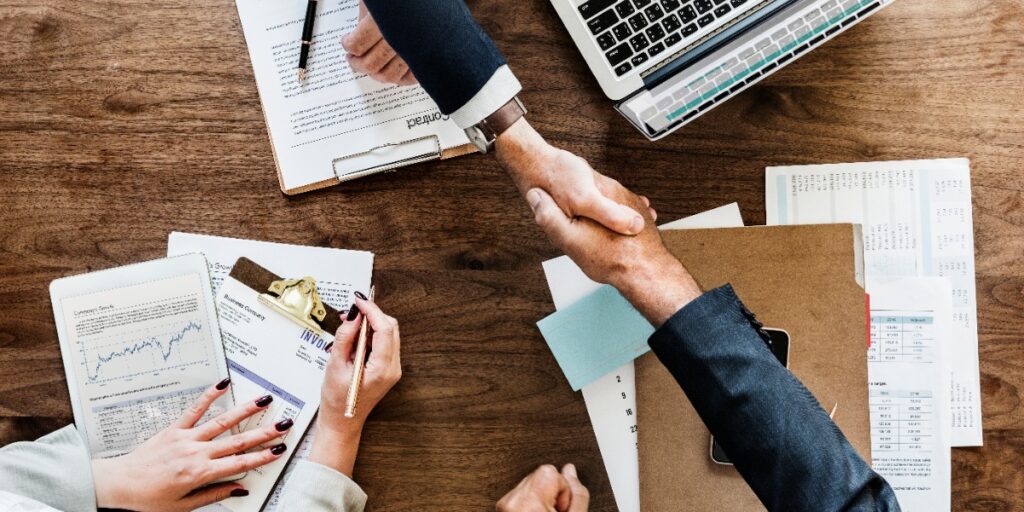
(307, 38)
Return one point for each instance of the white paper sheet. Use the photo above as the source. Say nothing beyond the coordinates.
(611, 400)
(908, 370)
(337, 272)
(917, 222)
(335, 112)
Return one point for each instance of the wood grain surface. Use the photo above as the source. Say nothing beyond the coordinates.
(122, 120)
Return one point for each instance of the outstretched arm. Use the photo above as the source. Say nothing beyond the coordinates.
(779, 438)
(439, 43)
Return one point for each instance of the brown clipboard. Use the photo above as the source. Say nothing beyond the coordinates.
(806, 280)
(297, 299)
(439, 154)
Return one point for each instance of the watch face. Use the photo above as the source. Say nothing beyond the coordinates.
(476, 136)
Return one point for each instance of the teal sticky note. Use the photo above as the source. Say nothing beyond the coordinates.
(595, 335)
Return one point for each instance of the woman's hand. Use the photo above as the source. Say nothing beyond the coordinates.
(171, 471)
(337, 437)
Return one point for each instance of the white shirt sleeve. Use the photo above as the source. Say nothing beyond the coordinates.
(54, 470)
(312, 487)
(499, 89)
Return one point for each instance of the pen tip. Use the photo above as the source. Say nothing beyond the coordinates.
(302, 74)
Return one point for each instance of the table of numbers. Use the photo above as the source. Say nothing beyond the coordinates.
(902, 337)
(901, 420)
(123, 426)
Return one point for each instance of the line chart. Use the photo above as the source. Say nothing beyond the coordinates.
(176, 348)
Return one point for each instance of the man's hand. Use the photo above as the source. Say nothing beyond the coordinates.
(577, 189)
(547, 490)
(369, 53)
(640, 266)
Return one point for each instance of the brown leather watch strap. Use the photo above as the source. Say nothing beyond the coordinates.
(496, 123)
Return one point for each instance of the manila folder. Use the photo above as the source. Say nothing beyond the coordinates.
(803, 279)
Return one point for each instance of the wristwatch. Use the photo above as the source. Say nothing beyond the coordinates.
(484, 133)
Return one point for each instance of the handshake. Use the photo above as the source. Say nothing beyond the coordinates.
(606, 229)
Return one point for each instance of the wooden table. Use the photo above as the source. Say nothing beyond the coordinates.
(121, 121)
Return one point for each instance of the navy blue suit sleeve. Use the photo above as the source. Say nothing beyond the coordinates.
(451, 56)
(775, 432)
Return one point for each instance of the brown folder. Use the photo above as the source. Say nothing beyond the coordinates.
(802, 279)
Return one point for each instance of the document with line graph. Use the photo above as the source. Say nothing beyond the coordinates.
(139, 343)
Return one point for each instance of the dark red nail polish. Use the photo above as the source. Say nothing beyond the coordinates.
(352, 312)
(223, 384)
(360, 295)
(264, 401)
(238, 493)
(279, 449)
(329, 346)
(284, 424)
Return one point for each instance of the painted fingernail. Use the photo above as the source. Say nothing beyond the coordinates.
(238, 493)
(360, 295)
(264, 401)
(637, 224)
(279, 449)
(329, 346)
(352, 312)
(284, 424)
(223, 384)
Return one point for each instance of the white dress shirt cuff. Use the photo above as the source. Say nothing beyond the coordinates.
(312, 487)
(499, 89)
(54, 470)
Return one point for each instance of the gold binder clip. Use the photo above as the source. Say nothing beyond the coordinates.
(297, 299)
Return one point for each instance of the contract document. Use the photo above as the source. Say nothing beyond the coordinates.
(611, 400)
(917, 222)
(908, 373)
(336, 124)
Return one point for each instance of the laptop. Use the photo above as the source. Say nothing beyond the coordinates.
(667, 62)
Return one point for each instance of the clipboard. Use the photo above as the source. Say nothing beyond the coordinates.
(296, 299)
(413, 151)
(276, 334)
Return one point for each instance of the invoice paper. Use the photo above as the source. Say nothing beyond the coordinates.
(269, 354)
(337, 272)
(335, 112)
(139, 344)
(611, 399)
(917, 222)
(908, 372)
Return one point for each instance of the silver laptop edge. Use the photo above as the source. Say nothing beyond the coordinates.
(690, 81)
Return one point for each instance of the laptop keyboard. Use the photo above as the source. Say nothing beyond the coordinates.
(631, 32)
(792, 37)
